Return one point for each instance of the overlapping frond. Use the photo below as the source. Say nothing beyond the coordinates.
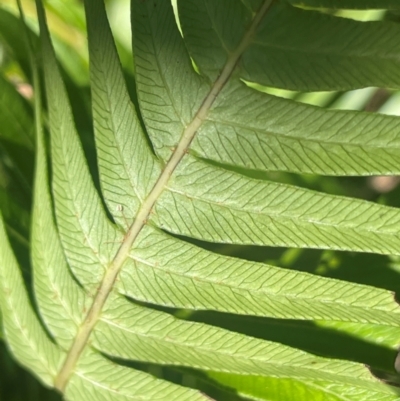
(107, 265)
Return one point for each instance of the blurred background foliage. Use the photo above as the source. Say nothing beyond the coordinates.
(371, 345)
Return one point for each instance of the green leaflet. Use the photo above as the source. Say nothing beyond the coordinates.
(292, 48)
(166, 271)
(353, 55)
(169, 90)
(21, 327)
(272, 389)
(140, 334)
(382, 335)
(259, 131)
(89, 239)
(61, 301)
(242, 210)
(278, 389)
(368, 344)
(127, 166)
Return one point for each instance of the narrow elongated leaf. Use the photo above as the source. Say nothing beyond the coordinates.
(59, 297)
(88, 237)
(291, 49)
(259, 131)
(383, 335)
(25, 336)
(165, 271)
(127, 166)
(272, 389)
(169, 93)
(354, 54)
(245, 211)
(157, 337)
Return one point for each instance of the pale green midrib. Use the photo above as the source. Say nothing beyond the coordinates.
(142, 216)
